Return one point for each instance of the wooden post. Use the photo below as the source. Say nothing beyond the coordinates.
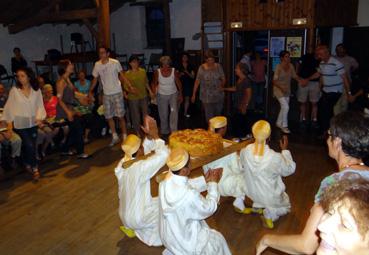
(104, 23)
(166, 10)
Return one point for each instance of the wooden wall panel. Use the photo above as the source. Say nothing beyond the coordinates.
(341, 13)
(212, 10)
(270, 15)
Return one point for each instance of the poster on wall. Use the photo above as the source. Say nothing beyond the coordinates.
(275, 62)
(294, 46)
(276, 46)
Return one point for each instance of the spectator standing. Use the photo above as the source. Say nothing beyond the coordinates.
(187, 75)
(258, 68)
(211, 80)
(283, 75)
(23, 111)
(110, 73)
(334, 82)
(65, 110)
(3, 95)
(18, 60)
(307, 66)
(138, 102)
(169, 95)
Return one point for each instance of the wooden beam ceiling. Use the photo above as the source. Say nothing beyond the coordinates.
(43, 17)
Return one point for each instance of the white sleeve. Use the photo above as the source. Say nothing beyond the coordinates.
(198, 183)
(40, 108)
(119, 67)
(148, 145)
(288, 166)
(8, 115)
(152, 165)
(202, 207)
(95, 72)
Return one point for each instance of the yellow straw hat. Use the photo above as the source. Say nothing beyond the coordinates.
(130, 146)
(177, 159)
(217, 122)
(261, 131)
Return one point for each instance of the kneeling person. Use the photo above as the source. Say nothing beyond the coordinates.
(183, 211)
(264, 169)
(232, 182)
(138, 210)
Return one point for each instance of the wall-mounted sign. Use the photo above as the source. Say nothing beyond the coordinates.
(294, 46)
(276, 46)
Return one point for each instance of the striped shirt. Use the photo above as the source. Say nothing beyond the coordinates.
(331, 73)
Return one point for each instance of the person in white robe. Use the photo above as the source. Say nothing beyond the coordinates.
(138, 210)
(264, 169)
(232, 183)
(183, 211)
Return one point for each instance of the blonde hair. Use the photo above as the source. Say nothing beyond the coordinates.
(165, 60)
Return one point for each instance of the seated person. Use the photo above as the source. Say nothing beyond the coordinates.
(183, 210)
(264, 169)
(232, 182)
(82, 86)
(50, 128)
(10, 138)
(3, 95)
(344, 228)
(138, 210)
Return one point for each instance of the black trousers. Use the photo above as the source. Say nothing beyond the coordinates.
(75, 136)
(241, 123)
(326, 105)
(29, 139)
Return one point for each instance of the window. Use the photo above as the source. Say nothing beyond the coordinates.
(155, 26)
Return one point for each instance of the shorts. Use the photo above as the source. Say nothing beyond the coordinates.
(312, 90)
(114, 106)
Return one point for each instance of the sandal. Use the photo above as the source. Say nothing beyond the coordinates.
(36, 175)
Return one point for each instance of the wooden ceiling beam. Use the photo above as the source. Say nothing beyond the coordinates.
(52, 17)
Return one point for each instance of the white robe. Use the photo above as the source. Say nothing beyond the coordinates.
(138, 210)
(183, 211)
(232, 183)
(263, 176)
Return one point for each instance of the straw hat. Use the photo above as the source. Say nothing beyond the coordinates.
(177, 159)
(217, 122)
(261, 131)
(130, 146)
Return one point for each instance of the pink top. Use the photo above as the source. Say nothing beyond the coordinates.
(50, 106)
(258, 68)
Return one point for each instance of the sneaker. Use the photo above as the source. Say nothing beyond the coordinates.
(103, 131)
(187, 115)
(67, 153)
(267, 223)
(83, 156)
(285, 130)
(114, 141)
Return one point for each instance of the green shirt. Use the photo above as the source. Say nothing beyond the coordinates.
(138, 80)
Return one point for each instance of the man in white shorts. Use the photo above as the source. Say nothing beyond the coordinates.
(308, 65)
(110, 73)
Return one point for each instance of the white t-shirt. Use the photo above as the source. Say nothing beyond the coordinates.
(109, 76)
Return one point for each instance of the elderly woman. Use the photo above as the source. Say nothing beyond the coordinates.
(210, 78)
(168, 87)
(348, 144)
(344, 228)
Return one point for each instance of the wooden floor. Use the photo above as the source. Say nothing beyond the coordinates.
(73, 209)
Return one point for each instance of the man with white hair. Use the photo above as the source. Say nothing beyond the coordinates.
(264, 169)
(138, 210)
(183, 211)
(232, 183)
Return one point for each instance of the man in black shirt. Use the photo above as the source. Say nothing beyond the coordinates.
(18, 60)
(307, 66)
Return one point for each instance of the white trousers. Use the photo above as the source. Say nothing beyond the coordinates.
(282, 120)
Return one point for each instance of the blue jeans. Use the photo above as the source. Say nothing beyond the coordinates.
(29, 147)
